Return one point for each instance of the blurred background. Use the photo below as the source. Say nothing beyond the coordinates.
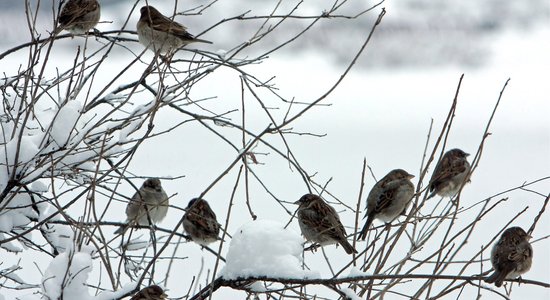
(415, 33)
(382, 110)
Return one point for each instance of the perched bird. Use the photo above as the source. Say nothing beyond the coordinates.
(388, 198)
(78, 16)
(511, 256)
(161, 34)
(450, 173)
(149, 203)
(153, 292)
(199, 221)
(320, 223)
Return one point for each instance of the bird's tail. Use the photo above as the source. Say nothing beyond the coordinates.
(57, 30)
(348, 247)
(432, 194)
(363, 234)
(497, 277)
(196, 40)
(121, 229)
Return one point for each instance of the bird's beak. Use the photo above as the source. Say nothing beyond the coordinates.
(298, 202)
(163, 296)
(467, 154)
(529, 237)
(410, 176)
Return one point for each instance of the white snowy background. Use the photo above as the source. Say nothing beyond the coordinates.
(381, 112)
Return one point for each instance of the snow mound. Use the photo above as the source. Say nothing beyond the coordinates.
(67, 275)
(265, 248)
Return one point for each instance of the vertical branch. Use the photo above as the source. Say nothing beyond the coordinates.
(244, 157)
(224, 235)
(358, 207)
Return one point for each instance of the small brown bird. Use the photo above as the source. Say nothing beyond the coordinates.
(511, 256)
(161, 34)
(320, 223)
(199, 221)
(149, 203)
(450, 173)
(79, 16)
(153, 292)
(388, 198)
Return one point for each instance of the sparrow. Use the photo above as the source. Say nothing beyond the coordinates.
(320, 223)
(78, 16)
(150, 202)
(153, 292)
(511, 256)
(199, 221)
(388, 198)
(450, 173)
(161, 34)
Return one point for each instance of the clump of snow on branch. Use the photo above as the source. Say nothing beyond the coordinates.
(265, 248)
(14, 218)
(350, 294)
(64, 123)
(57, 140)
(66, 276)
(355, 272)
(59, 236)
(18, 213)
(108, 295)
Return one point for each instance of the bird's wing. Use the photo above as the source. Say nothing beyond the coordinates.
(387, 196)
(519, 254)
(447, 169)
(74, 9)
(203, 217)
(134, 206)
(504, 257)
(330, 221)
(164, 24)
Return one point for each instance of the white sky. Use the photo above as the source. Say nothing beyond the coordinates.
(380, 115)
